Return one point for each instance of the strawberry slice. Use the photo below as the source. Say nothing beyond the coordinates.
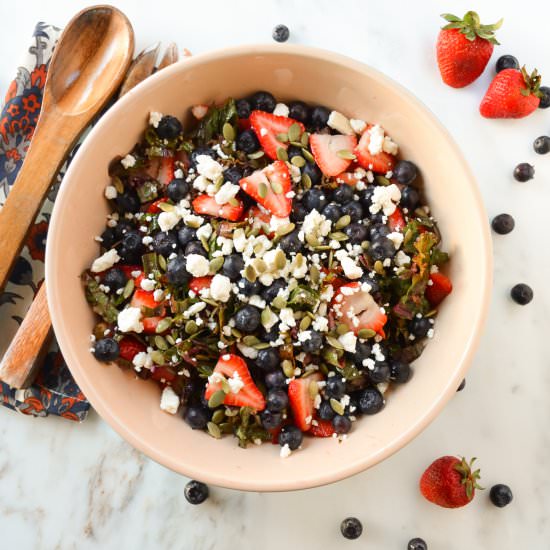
(267, 126)
(129, 347)
(396, 221)
(200, 283)
(355, 307)
(153, 208)
(381, 162)
(301, 400)
(145, 299)
(440, 288)
(163, 373)
(136, 269)
(348, 178)
(233, 366)
(166, 170)
(205, 204)
(322, 428)
(269, 188)
(260, 218)
(327, 149)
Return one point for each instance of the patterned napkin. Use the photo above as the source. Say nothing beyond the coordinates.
(54, 391)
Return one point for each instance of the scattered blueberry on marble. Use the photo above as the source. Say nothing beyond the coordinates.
(281, 33)
(503, 224)
(545, 97)
(501, 495)
(524, 172)
(417, 544)
(351, 528)
(521, 294)
(542, 145)
(506, 62)
(196, 492)
(462, 385)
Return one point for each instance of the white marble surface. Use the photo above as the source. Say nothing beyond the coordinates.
(80, 486)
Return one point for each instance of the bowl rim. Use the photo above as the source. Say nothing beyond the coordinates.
(323, 478)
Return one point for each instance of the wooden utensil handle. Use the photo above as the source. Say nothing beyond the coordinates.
(50, 145)
(29, 345)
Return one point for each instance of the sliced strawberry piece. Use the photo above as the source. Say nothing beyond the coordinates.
(440, 288)
(267, 126)
(356, 308)
(260, 218)
(163, 373)
(381, 162)
(205, 204)
(200, 283)
(199, 111)
(322, 428)
(249, 395)
(145, 299)
(301, 400)
(396, 221)
(348, 178)
(129, 347)
(269, 188)
(153, 208)
(166, 170)
(136, 269)
(327, 149)
(243, 124)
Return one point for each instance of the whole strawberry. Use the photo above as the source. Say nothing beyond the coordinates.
(450, 482)
(464, 47)
(511, 94)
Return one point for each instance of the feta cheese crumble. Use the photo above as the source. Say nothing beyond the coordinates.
(385, 199)
(105, 261)
(281, 110)
(110, 192)
(285, 451)
(129, 320)
(169, 400)
(208, 167)
(340, 123)
(128, 161)
(226, 193)
(197, 265)
(154, 118)
(220, 288)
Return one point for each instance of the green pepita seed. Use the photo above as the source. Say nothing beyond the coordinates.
(296, 144)
(216, 264)
(381, 180)
(345, 154)
(214, 430)
(195, 224)
(265, 317)
(342, 222)
(118, 185)
(250, 273)
(205, 243)
(210, 302)
(225, 385)
(342, 328)
(161, 343)
(282, 154)
(305, 139)
(226, 427)
(276, 187)
(314, 275)
(298, 161)
(305, 323)
(218, 416)
(234, 202)
(259, 265)
(128, 289)
(365, 245)
(228, 132)
(162, 262)
(157, 357)
(322, 248)
(250, 340)
(191, 327)
(313, 389)
(288, 368)
(334, 342)
(256, 155)
(262, 345)
(262, 190)
(307, 155)
(330, 258)
(279, 302)
(164, 324)
(294, 132)
(312, 240)
(170, 339)
(338, 236)
(166, 207)
(282, 137)
(306, 181)
(236, 333)
(280, 259)
(379, 267)
(216, 399)
(285, 229)
(366, 333)
(336, 406)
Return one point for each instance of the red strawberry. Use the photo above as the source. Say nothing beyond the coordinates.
(258, 217)
(163, 373)
(511, 94)
(333, 154)
(269, 188)
(166, 170)
(249, 395)
(322, 428)
(243, 124)
(267, 126)
(205, 204)
(136, 269)
(449, 482)
(348, 178)
(153, 208)
(396, 221)
(351, 302)
(440, 288)
(301, 400)
(381, 162)
(145, 299)
(200, 283)
(464, 47)
(130, 347)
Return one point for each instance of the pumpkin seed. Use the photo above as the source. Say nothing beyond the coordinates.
(276, 187)
(298, 161)
(313, 389)
(205, 244)
(262, 345)
(170, 339)
(191, 327)
(157, 357)
(265, 317)
(218, 416)
(214, 430)
(305, 323)
(128, 289)
(282, 154)
(234, 202)
(228, 132)
(279, 302)
(330, 258)
(250, 273)
(162, 262)
(118, 185)
(285, 229)
(322, 247)
(306, 181)
(314, 274)
(296, 144)
(365, 245)
(334, 342)
(216, 399)
(312, 239)
(282, 137)
(288, 368)
(294, 132)
(379, 267)
(236, 333)
(342, 222)
(336, 406)
(280, 259)
(161, 343)
(166, 207)
(345, 154)
(195, 224)
(225, 385)
(216, 264)
(256, 155)
(307, 155)
(305, 139)
(164, 324)
(259, 265)
(366, 333)
(342, 328)
(212, 303)
(338, 236)
(262, 190)
(250, 340)
(381, 180)
(226, 428)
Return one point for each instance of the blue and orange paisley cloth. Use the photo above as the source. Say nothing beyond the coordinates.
(54, 391)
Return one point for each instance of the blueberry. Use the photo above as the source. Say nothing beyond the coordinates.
(372, 282)
(343, 194)
(263, 101)
(270, 293)
(405, 172)
(356, 232)
(341, 424)
(293, 151)
(400, 372)
(243, 108)
(195, 247)
(196, 492)
(115, 278)
(521, 294)
(106, 350)
(248, 288)
(176, 272)
(201, 151)
(108, 238)
(501, 495)
(290, 435)
(354, 210)
(169, 127)
(197, 417)
(281, 33)
(275, 379)
(186, 235)
(291, 244)
(270, 335)
(313, 172)
(128, 201)
(542, 145)
(247, 141)
(417, 544)
(503, 224)
(131, 242)
(362, 352)
(268, 359)
(420, 326)
(332, 212)
(298, 213)
(410, 197)
(299, 111)
(326, 412)
(177, 189)
(315, 199)
(233, 175)
(335, 387)
(524, 172)
(462, 385)
(165, 243)
(277, 400)
(381, 248)
(232, 266)
(122, 227)
(371, 401)
(380, 372)
(314, 343)
(366, 197)
(318, 117)
(545, 97)
(351, 528)
(247, 319)
(271, 420)
(506, 62)
(378, 230)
